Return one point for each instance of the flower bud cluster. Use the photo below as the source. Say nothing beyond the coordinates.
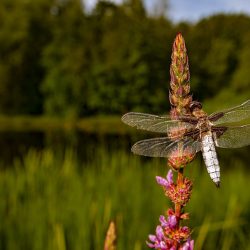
(179, 96)
(178, 194)
(180, 158)
(169, 234)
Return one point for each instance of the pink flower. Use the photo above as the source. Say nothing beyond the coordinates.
(171, 222)
(165, 182)
(158, 240)
(188, 245)
(163, 221)
(159, 233)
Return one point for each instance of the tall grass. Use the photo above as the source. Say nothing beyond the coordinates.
(50, 202)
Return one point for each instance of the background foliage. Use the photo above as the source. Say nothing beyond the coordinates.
(61, 60)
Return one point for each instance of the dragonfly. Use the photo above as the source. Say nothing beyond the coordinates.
(195, 132)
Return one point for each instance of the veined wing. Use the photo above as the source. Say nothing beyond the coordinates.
(234, 137)
(154, 123)
(235, 114)
(165, 147)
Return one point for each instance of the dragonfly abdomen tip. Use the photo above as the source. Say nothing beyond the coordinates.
(217, 184)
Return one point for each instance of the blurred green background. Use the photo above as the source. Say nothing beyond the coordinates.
(67, 74)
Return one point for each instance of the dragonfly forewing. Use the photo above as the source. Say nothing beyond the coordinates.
(154, 123)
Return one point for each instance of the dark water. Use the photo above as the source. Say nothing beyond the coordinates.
(16, 144)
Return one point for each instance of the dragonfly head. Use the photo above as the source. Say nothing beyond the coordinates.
(195, 105)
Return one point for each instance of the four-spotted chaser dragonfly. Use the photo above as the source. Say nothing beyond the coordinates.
(193, 133)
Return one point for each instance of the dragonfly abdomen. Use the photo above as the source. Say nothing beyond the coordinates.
(210, 158)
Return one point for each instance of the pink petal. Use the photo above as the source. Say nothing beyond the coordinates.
(172, 221)
(162, 181)
(170, 177)
(163, 221)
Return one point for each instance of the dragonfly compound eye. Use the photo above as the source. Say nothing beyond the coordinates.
(195, 105)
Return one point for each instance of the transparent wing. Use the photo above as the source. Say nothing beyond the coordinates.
(153, 123)
(234, 137)
(235, 114)
(164, 147)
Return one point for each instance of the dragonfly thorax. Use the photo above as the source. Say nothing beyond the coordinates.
(204, 124)
(199, 113)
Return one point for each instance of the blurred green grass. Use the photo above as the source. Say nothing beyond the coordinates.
(53, 202)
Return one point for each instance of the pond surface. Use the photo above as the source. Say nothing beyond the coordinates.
(16, 144)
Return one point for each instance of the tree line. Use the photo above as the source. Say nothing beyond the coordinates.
(56, 58)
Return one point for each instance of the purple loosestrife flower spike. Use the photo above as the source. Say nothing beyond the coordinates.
(171, 234)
